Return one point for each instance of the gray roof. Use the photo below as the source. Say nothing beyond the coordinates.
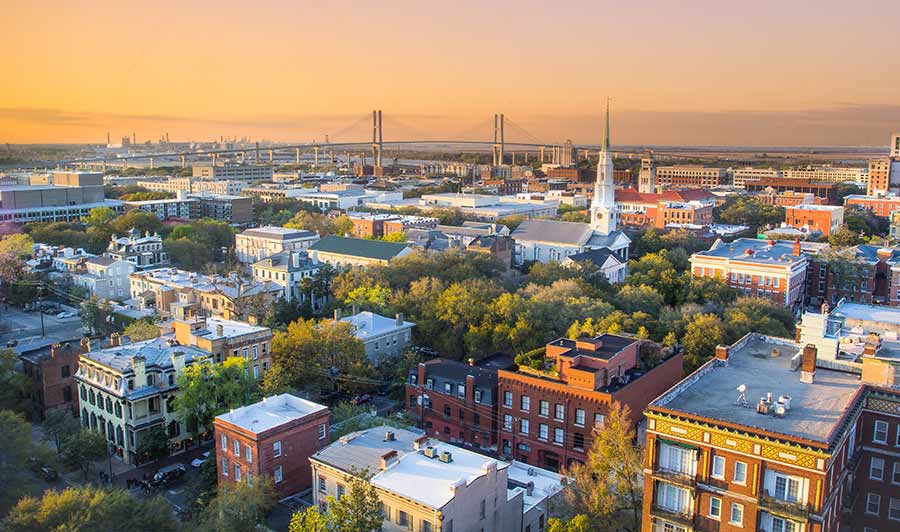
(753, 250)
(568, 233)
(102, 261)
(278, 233)
(282, 262)
(362, 450)
(156, 352)
(597, 256)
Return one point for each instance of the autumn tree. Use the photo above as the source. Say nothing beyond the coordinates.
(358, 510)
(207, 389)
(239, 507)
(141, 330)
(606, 490)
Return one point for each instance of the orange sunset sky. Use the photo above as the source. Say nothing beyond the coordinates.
(678, 72)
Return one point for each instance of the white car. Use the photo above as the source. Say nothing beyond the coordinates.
(197, 462)
(62, 315)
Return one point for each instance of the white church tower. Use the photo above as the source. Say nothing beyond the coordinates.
(603, 206)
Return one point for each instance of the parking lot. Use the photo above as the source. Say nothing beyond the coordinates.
(19, 326)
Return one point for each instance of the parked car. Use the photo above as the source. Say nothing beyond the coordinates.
(200, 460)
(63, 315)
(169, 474)
(362, 399)
(12, 343)
(48, 473)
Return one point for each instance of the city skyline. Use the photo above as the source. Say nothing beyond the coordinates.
(768, 74)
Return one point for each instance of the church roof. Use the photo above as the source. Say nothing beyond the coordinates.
(568, 233)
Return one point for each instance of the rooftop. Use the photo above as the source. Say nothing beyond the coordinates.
(157, 352)
(271, 412)
(546, 483)
(815, 408)
(230, 329)
(367, 324)
(362, 450)
(572, 233)
(278, 233)
(358, 247)
(607, 346)
(753, 250)
(282, 261)
(808, 207)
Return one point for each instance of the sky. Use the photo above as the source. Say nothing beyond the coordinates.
(687, 72)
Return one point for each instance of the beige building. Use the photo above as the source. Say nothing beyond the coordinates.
(429, 486)
(256, 244)
(233, 171)
(224, 339)
(829, 174)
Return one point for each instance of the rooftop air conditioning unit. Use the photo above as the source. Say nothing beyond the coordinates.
(430, 452)
(446, 457)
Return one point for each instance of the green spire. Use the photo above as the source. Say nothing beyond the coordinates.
(606, 132)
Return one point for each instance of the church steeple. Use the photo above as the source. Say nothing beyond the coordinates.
(605, 146)
(603, 207)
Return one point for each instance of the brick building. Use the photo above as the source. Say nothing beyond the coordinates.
(778, 185)
(546, 416)
(51, 377)
(879, 176)
(224, 339)
(879, 205)
(456, 402)
(789, 198)
(824, 219)
(804, 449)
(272, 438)
(762, 268)
(689, 176)
(863, 274)
(689, 206)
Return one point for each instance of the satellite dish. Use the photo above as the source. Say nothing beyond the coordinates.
(742, 398)
(742, 388)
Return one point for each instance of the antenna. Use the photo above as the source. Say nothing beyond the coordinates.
(742, 398)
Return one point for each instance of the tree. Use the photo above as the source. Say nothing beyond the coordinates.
(207, 389)
(153, 444)
(138, 220)
(607, 488)
(13, 383)
(100, 216)
(87, 508)
(844, 237)
(373, 298)
(58, 426)
(141, 330)
(744, 210)
(82, 449)
(310, 520)
(756, 314)
(96, 316)
(17, 245)
(701, 336)
(15, 449)
(579, 523)
(399, 237)
(239, 507)
(358, 510)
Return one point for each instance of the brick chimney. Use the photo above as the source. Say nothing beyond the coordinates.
(796, 251)
(420, 378)
(85, 344)
(808, 364)
(115, 340)
(722, 352)
(55, 349)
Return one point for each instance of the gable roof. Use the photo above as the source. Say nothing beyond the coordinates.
(358, 247)
(569, 233)
(597, 256)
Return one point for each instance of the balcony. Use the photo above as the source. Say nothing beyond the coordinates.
(783, 507)
(675, 516)
(675, 477)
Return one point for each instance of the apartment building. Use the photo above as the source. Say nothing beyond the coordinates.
(256, 244)
(829, 174)
(681, 214)
(688, 176)
(344, 252)
(373, 225)
(764, 268)
(789, 198)
(879, 205)
(547, 415)
(224, 339)
(233, 210)
(272, 438)
(233, 171)
(804, 449)
(430, 486)
(174, 209)
(821, 219)
(455, 401)
(105, 278)
(826, 191)
(865, 274)
(189, 185)
(741, 176)
(287, 269)
(51, 377)
(128, 389)
(382, 337)
(879, 177)
(145, 252)
(639, 209)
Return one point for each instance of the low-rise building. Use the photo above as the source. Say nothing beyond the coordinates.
(829, 174)
(245, 172)
(233, 210)
(859, 274)
(552, 241)
(175, 209)
(145, 252)
(764, 268)
(879, 205)
(51, 377)
(688, 176)
(740, 176)
(287, 269)
(342, 252)
(105, 278)
(778, 185)
(821, 219)
(224, 339)
(256, 244)
(383, 337)
(547, 416)
(273, 438)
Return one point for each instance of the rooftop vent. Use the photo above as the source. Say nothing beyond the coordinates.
(389, 436)
(446, 457)
(431, 452)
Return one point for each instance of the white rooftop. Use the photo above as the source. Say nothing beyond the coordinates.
(368, 324)
(230, 329)
(271, 412)
(546, 483)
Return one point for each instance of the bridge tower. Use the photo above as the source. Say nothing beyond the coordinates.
(377, 138)
(499, 139)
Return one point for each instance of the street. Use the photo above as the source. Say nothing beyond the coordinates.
(25, 327)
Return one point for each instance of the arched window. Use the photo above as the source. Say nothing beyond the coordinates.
(93, 421)
(109, 405)
(84, 417)
(93, 398)
(109, 430)
(119, 438)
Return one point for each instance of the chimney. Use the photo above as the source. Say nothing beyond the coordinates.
(796, 250)
(808, 364)
(388, 458)
(420, 378)
(400, 320)
(54, 350)
(178, 360)
(115, 340)
(85, 345)
(338, 314)
(220, 330)
(722, 352)
(139, 366)
(420, 443)
(471, 361)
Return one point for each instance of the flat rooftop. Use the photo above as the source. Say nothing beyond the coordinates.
(869, 313)
(814, 408)
(610, 345)
(753, 250)
(271, 412)
(546, 483)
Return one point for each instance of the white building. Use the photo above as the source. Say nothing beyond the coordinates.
(286, 269)
(383, 337)
(106, 278)
(256, 244)
(145, 252)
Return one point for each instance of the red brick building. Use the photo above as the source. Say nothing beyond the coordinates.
(824, 219)
(805, 449)
(879, 205)
(688, 206)
(879, 176)
(778, 185)
(789, 198)
(546, 417)
(51, 377)
(457, 402)
(272, 438)
(864, 275)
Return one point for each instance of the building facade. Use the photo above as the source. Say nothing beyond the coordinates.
(685, 176)
(224, 339)
(345, 252)
(822, 219)
(105, 278)
(256, 244)
(382, 337)
(145, 252)
(287, 269)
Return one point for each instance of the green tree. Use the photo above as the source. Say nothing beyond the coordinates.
(18, 245)
(639, 298)
(607, 488)
(702, 334)
(373, 298)
(87, 508)
(359, 510)
(310, 520)
(208, 389)
(756, 314)
(579, 523)
(58, 426)
(512, 222)
(100, 216)
(745, 210)
(844, 237)
(153, 444)
(96, 316)
(82, 449)
(138, 220)
(15, 449)
(13, 383)
(141, 330)
(239, 507)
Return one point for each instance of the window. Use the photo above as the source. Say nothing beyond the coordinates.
(224, 442)
(543, 431)
(740, 473)
(276, 449)
(322, 431)
(598, 420)
(248, 454)
(278, 474)
(579, 417)
(559, 412)
(737, 514)
(718, 467)
(672, 497)
(481, 513)
(322, 485)
(447, 411)
(578, 441)
(429, 384)
(507, 399)
(236, 446)
(426, 526)
(224, 467)
(525, 403)
(876, 469)
(544, 408)
(880, 433)
(402, 518)
(715, 507)
(507, 422)
(894, 509)
(787, 488)
(896, 476)
(448, 388)
(237, 472)
(64, 371)
(873, 503)
(477, 396)
(461, 390)
(523, 426)
(341, 490)
(558, 436)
